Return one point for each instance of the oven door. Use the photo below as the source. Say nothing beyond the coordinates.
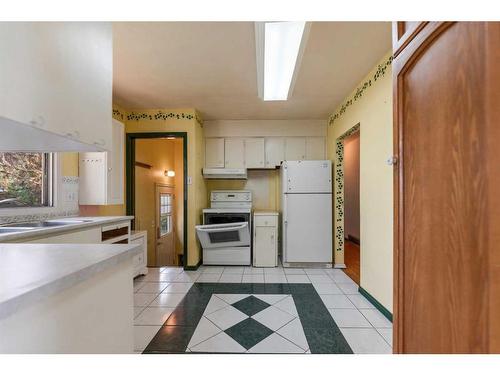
(223, 235)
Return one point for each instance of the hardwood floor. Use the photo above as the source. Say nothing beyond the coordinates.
(351, 259)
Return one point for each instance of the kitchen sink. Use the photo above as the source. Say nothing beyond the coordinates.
(36, 224)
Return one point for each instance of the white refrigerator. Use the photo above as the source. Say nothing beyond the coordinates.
(306, 203)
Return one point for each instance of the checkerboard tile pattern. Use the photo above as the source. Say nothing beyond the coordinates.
(249, 323)
(170, 304)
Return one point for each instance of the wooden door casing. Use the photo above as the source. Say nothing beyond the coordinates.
(445, 125)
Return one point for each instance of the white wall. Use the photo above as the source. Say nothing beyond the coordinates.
(373, 111)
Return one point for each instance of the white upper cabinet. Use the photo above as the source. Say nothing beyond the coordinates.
(214, 153)
(254, 153)
(57, 76)
(274, 151)
(315, 148)
(102, 173)
(234, 153)
(295, 148)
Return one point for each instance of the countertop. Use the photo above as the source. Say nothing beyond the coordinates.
(94, 221)
(31, 272)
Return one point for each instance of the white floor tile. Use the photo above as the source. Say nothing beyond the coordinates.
(366, 341)
(226, 317)
(212, 269)
(151, 287)
(288, 306)
(336, 301)
(153, 316)
(294, 332)
(294, 271)
(341, 277)
(386, 333)
(208, 278)
(253, 271)
(184, 277)
(327, 288)
(143, 335)
(297, 279)
(349, 318)
(253, 278)
(273, 318)
(138, 285)
(319, 279)
(275, 278)
(174, 270)
(143, 299)
(204, 330)
(168, 300)
(220, 343)
(314, 271)
(273, 271)
(214, 304)
(275, 344)
(360, 302)
(234, 270)
(231, 298)
(376, 318)
(231, 278)
(168, 276)
(271, 298)
(178, 288)
(349, 288)
(138, 310)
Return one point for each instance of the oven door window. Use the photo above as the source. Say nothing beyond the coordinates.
(223, 235)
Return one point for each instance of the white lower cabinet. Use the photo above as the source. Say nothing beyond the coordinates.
(140, 260)
(265, 239)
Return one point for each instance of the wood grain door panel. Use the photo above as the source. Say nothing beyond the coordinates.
(441, 235)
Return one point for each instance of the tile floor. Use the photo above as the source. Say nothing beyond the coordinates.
(216, 316)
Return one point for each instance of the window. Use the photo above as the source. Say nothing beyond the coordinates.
(165, 214)
(26, 179)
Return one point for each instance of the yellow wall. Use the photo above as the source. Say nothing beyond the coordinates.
(159, 154)
(69, 163)
(197, 196)
(373, 111)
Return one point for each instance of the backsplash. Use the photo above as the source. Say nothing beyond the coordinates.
(68, 205)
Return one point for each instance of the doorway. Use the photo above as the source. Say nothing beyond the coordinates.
(352, 245)
(157, 194)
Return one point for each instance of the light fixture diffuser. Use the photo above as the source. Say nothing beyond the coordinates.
(279, 47)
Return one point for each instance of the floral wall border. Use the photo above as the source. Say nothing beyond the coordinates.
(339, 188)
(379, 73)
(159, 115)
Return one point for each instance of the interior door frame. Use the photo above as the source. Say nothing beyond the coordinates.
(130, 176)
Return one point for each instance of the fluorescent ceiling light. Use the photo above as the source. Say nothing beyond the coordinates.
(279, 49)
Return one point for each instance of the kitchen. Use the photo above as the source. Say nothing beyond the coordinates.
(255, 209)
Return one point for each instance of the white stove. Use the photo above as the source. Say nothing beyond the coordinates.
(225, 233)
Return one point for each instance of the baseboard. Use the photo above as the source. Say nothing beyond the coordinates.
(193, 268)
(376, 303)
(339, 265)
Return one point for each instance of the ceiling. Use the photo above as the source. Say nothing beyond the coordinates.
(211, 66)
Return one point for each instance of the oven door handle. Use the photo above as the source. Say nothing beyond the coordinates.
(222, 229)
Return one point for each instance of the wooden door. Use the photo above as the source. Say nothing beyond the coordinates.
(447, 220)
(165, 229)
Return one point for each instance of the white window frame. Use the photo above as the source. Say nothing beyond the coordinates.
(56, 196)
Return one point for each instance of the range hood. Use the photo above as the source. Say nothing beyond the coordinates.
(225, 173)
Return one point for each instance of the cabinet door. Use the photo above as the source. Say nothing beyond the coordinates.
(254, 152)
(234, 153)
(58, 76)
(295, 148)
(214, 153)
(115, 165)
(274, 151)
(315, 148)
(265, 246)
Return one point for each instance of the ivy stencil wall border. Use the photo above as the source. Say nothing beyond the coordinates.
(339, 191)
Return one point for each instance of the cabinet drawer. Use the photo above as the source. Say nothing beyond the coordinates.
(266, 221)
